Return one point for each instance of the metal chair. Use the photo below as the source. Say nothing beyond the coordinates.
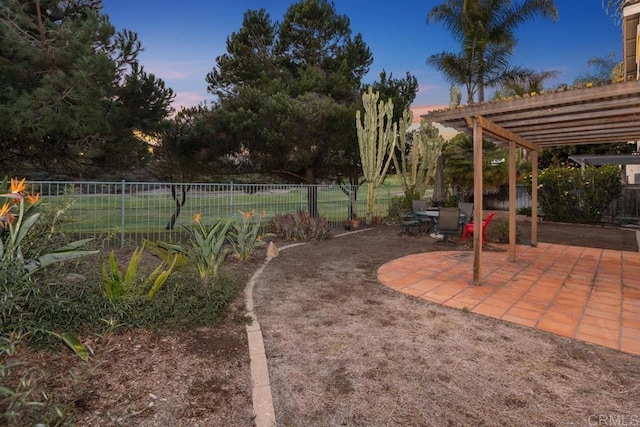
(467, 210)
(420, 205)
(448, 224)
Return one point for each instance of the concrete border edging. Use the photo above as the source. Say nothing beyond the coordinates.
(264, 414)
(263, 411)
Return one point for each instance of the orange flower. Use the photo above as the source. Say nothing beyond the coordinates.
(196, 218)
(18, 186)
(5, 216)
(248, 214)
(33, 198)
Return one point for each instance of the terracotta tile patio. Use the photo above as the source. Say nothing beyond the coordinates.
(587, 294)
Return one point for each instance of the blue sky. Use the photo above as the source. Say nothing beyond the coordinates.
(181, 39)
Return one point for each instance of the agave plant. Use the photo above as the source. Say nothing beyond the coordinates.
(207, 246)
(244, 236)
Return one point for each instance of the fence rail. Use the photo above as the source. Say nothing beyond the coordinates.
(123, 213)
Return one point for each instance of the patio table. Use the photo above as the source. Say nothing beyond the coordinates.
(432, 215)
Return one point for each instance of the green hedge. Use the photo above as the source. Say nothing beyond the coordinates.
(575, 195)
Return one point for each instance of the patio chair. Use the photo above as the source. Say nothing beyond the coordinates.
(420, 205)
(449, 224)
(411, 225)
(468, 229)
(467, 210)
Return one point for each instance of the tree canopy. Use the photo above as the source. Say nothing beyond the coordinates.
(73, 92)
(288, 91)
(485, 30)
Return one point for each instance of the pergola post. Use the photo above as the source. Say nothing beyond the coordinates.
(512, 201)
(534, 198)
(477, 202)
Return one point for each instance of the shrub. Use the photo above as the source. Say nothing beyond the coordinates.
(574, 195)
(500, 228)
(398, 207)
(118, 284)
(525, 210)
(299, 226)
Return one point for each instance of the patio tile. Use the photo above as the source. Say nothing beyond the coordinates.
(558, 328)
(630, 345)
(569, 291)
(632, 322)
(496, 301)
(524, 313)
(556, 313)
(519, 320)
(600, 322)
(600, 340)
(630, 333)
(602, 314)
(490, 310)
(608, 307)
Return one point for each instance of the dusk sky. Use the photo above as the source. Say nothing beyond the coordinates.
(181, 39)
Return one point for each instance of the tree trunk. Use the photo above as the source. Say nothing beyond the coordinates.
(312, 193)
(180, 201)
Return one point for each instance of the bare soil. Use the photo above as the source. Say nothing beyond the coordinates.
(345, 350)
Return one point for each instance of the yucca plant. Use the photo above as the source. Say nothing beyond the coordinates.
(207, 246)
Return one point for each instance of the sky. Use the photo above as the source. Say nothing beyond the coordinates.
(181, 39)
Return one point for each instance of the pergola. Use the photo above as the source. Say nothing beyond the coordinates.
(600, 114)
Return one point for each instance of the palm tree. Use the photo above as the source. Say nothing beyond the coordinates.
(531, 82)
(614, 7)
(486, 32)
(600, 69)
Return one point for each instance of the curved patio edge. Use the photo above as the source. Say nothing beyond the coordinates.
(587, 294)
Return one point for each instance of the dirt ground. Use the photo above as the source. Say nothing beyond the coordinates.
(343, 350)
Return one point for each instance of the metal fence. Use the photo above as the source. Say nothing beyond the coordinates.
(125, 213)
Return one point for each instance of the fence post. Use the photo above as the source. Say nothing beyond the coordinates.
(231, 197)
(122, 216)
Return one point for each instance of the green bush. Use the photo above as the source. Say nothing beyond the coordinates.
(500, 229)
(299, 226)
(574, 195)
(398, 207)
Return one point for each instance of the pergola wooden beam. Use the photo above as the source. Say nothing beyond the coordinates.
(502, 133)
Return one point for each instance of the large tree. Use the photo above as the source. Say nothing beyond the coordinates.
(402, 92)
(287, 92)
(458, 159)
(485, 30)
(73, 92)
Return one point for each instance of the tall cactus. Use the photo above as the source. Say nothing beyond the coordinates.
(377, 135)
(416, 175)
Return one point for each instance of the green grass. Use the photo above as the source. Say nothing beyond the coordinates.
(103, 213)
